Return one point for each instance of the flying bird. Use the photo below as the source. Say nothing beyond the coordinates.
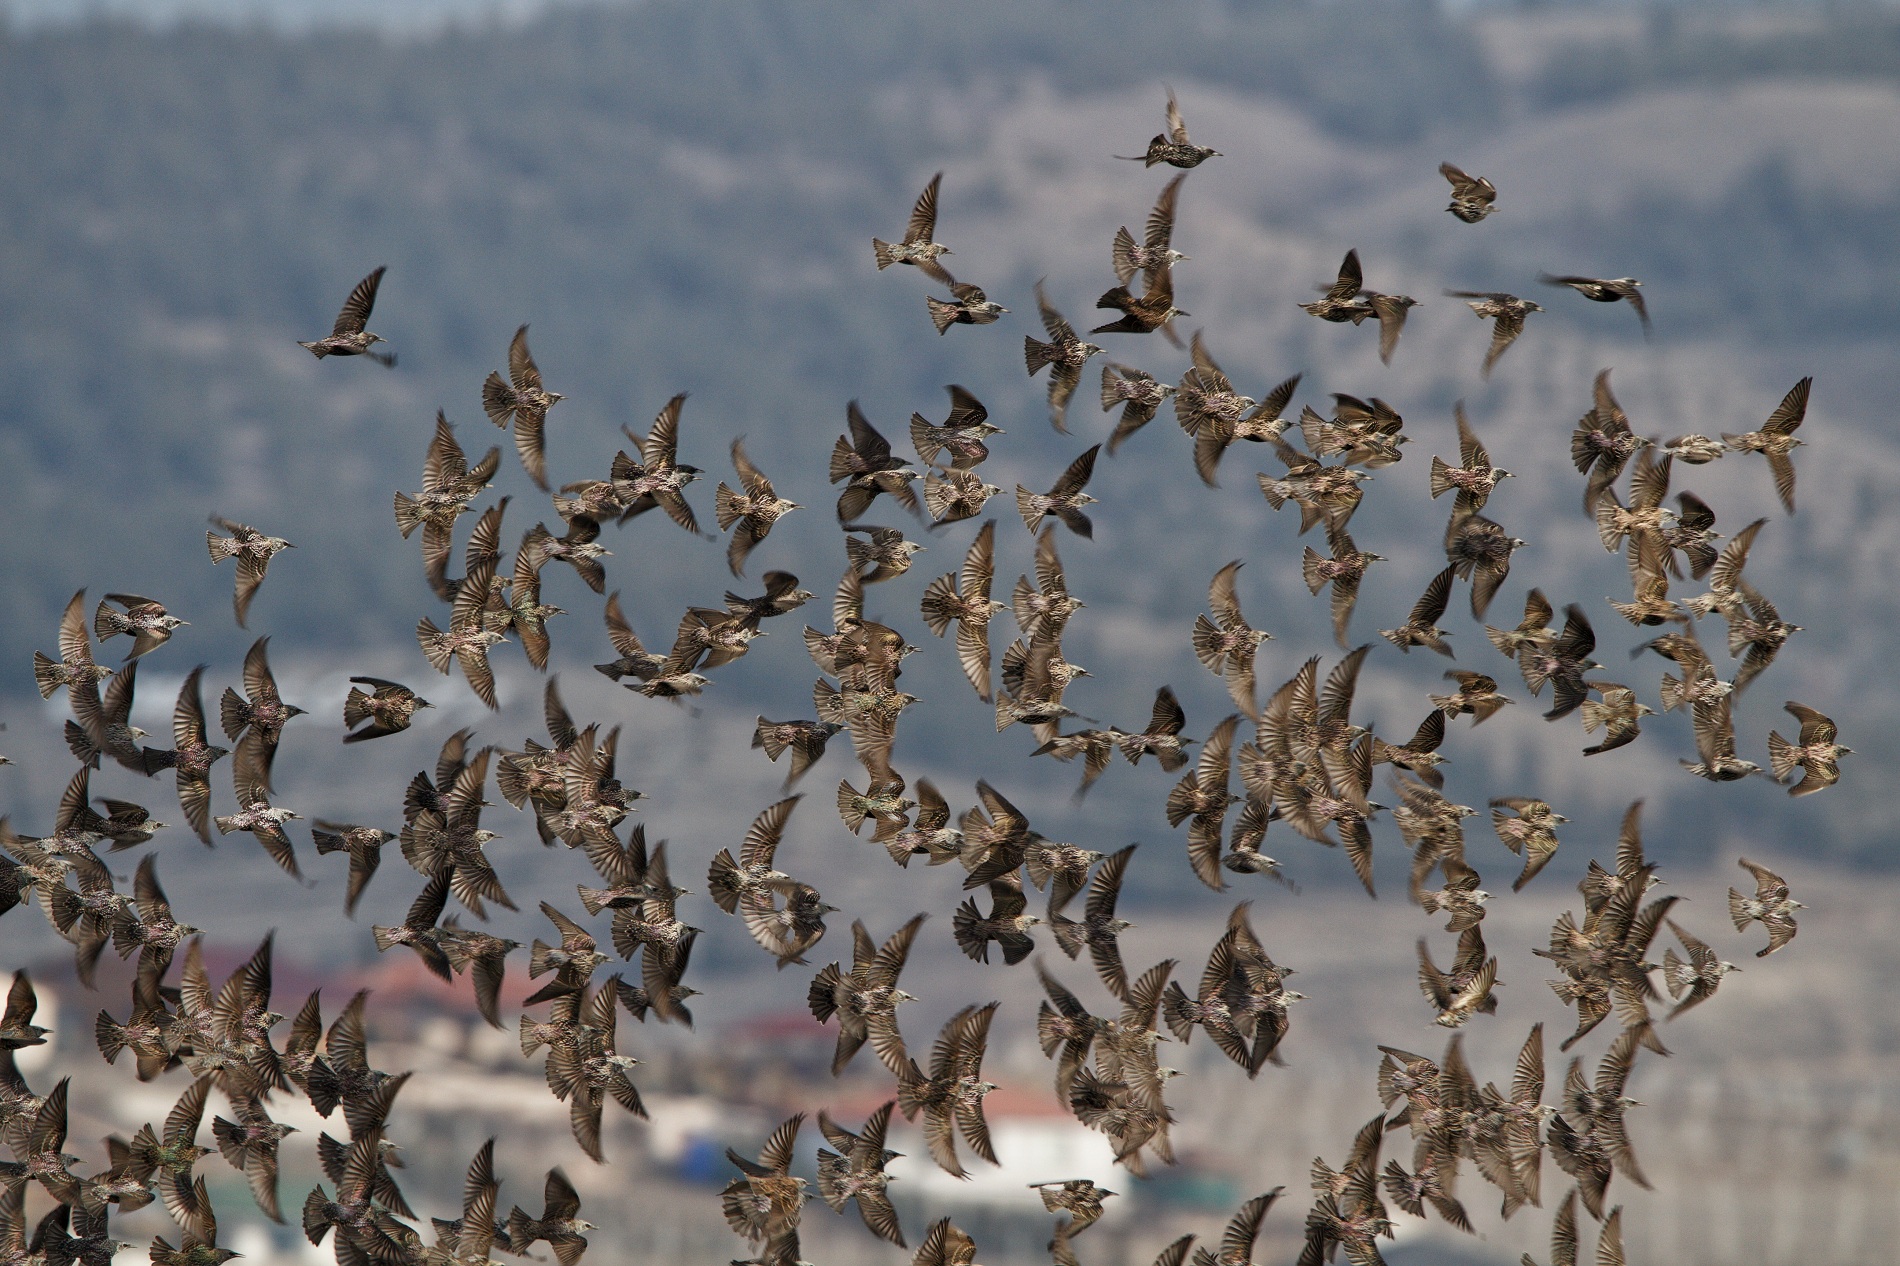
(253, 551)
(146, 619)
(970, 307)
(749, 515)
(1471, 196)
(1172, 146)
(1815, 751)
(658, 478)
(1064, 500)
(1154, 254)
(1065, 353)
(1605, 290)
(1771, 906)
(522, 400)
(388, 706)
(917, 248)
(1507, 314)
(349, 337)
(1775, 440)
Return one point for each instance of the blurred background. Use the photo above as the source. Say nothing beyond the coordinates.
(679, 197)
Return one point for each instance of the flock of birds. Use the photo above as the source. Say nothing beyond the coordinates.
(1307, 764)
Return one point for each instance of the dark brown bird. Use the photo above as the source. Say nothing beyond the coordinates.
(765, 1202)
(1563, 664)
(946, 1245)
(956, 495)
(1342, 301)
(1694, 980)
(349, 337)
(1605, 290)
(1533, 630)
(1619, 715)
(864, 459)
(1479, 550)
(1007, 924)
(1064, 500)
(1162, 737)
(917, 248)
(635, 659)
(1528, 829)
(1237, 1241)
(1714, 723)
(1151, 311)
(1098, 931)
(1172, 146)
(256, 814)
(961, 434)
(1421, 626)
(468, 639)
(388, 706)
(523, 401)
(1065, 353)
(103, 726)
(1391, 311)
(484, 548)
(1471, 196)
(1477, 478)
